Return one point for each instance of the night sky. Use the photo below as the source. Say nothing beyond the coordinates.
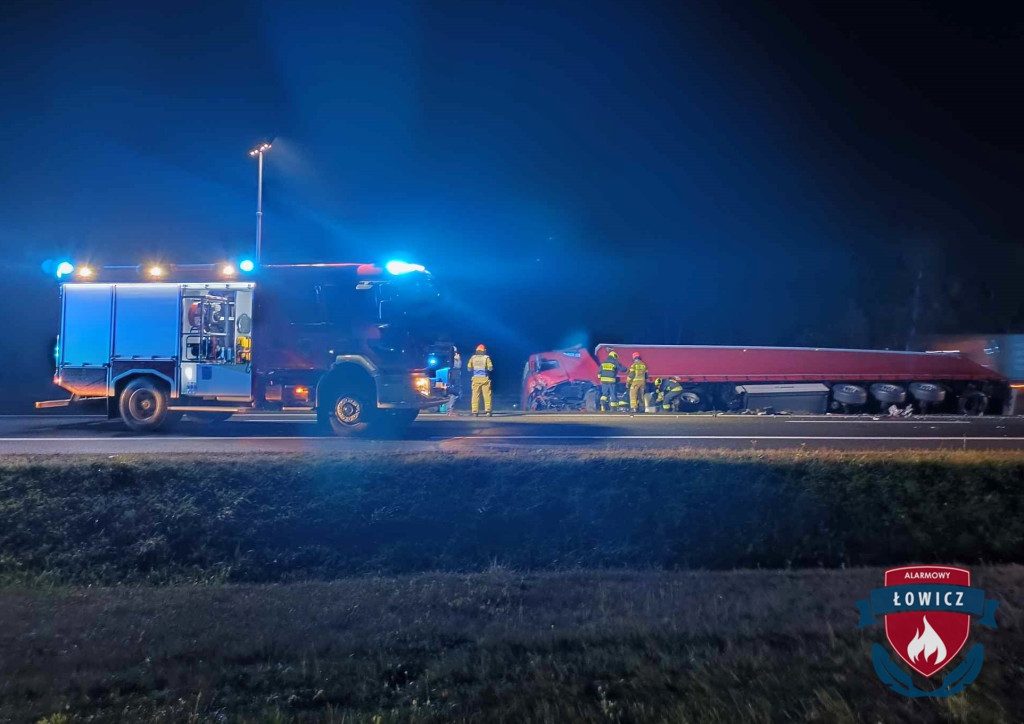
(673, 172)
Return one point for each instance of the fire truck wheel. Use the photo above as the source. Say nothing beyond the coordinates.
(208, 418)
(349, 412)
(143, 405)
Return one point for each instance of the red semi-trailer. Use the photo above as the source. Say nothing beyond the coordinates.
(735, 378)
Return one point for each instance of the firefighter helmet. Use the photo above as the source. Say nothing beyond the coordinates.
(636, 355)
(613, 354)
(480, 349)
(658, 380)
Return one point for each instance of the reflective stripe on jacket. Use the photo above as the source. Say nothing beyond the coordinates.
(638, 372)
(610, 370)
(480, 365)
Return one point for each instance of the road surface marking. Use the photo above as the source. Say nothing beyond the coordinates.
(161, 438)
(305, 422)
(885, 420)
(488, 438)
(719, 437)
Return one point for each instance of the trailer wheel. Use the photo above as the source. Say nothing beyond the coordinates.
(143, 405)
(972, 402)
(690, 402)
(848, 394)
(927, 392)
(348, 412)
(729, 398)
(888, 393)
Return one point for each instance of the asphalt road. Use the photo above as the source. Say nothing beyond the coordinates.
(247, 434)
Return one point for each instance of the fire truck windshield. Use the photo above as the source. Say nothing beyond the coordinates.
(410, 297)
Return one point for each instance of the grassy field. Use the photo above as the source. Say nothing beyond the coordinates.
(103, 520)
(480, 588)
(498, 646)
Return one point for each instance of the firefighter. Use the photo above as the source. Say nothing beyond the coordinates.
(480, 367)
(636, 378)
(609, 378)
(454, 385)
(668, 393)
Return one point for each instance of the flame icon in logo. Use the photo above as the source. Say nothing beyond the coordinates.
(929, 642)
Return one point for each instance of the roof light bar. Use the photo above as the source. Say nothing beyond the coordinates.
(402, 267)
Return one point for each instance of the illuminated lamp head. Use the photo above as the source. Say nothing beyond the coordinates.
(401, 267)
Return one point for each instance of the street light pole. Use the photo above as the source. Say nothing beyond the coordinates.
(258, 153)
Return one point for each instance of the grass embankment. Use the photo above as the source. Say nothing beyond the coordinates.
(532, 640)
(718, 647)
(284, 518)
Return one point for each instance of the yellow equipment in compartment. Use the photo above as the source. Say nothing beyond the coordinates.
(243, 349)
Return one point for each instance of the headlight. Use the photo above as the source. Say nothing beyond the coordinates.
(422, 385)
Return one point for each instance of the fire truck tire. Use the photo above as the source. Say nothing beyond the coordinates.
(972, 402)
(928, 392)
(848, 394)
(349, 412)
(143, 405)
(888, 393)
(208, 418)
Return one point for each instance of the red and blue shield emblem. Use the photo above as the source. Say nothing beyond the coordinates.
(927, 640)
(927, 610)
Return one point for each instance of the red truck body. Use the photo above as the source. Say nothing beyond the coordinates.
(716, 368)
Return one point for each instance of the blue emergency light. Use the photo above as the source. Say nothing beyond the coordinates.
(402, 267)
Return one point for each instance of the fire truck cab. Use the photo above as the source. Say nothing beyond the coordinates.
(349, 341)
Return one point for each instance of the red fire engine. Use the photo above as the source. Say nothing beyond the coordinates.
(157, 342)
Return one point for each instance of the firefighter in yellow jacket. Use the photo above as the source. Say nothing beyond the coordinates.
(480, 368)
(636, 378)
(608, 376)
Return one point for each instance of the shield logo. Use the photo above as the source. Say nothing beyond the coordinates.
(927, 640)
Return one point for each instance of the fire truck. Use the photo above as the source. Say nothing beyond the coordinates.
(780, 379)
(158, 342)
